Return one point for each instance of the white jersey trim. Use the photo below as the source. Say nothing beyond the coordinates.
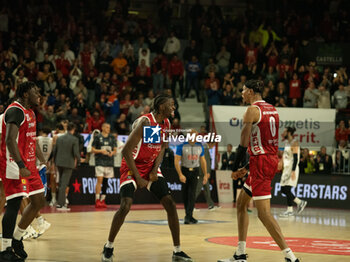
(1, 118)
(154, 119)
(261, 197)
(128, 182)
(37, 191)
(260, 116)
(159, 174)
(24, 194)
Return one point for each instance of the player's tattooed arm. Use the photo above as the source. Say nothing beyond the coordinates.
(250, 117)
(134, 138)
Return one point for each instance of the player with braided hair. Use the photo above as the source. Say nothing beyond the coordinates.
(142, 155)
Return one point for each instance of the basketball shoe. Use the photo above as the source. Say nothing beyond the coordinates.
(9, 256)
(30, 233)
(18, 248)
(287, 214)
(103, 204)
(98, 203)
(301, 206)
(235, 258)
(43, 227)
(181, 256)
(107, 254)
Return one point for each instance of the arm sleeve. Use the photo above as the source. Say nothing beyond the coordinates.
(179, 150)
(15, 116)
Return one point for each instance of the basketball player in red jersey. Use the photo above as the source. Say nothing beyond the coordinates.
(260, 136)
(18, 169)
(140, 168)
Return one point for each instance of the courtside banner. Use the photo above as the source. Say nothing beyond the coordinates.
(224, 185)
(315, 127)
(83, 183)
(319, 190)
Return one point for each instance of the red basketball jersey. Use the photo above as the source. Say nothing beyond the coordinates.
(146, 153)
(264, 135)
(26, 144)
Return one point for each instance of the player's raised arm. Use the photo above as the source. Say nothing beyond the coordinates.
(135, 138)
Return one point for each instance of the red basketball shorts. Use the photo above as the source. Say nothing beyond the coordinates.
(262, 170)
(22, 186)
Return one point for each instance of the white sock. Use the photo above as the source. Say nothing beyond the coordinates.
(103, 197)
(6, 242)
(18, 233)
(40, 220)
(109, 244)
(241, 248)
(177, 249)
(288, 253)
(53, 197)
(297, 201)
(290, 209)
(97, 197)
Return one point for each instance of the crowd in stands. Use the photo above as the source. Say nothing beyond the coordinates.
(95, 62)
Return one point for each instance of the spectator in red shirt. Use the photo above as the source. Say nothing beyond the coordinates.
(94, 122)
(312, 74)
(63, 65)
(125, 104)
(176, 74)
(159, 66)
(341, 133)
(86, 58)
(272, 55)
(124, 85)
(251, 52)
(284, 69)
(31, 71)
(295, 87)
(212, 86)
(143, 76)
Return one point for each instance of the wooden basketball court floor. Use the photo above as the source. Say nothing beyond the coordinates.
(79, 235)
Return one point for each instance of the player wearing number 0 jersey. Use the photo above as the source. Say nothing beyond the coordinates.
(260, 136)
(263, 146)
